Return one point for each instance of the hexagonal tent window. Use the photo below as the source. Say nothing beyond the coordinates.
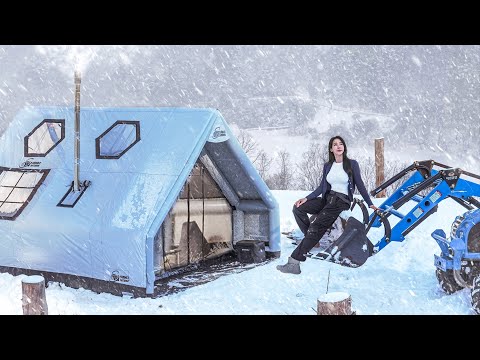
(44, 137)
(117, 139)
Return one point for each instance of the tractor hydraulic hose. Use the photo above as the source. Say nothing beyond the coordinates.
(385, 222)
(392, 180)
(374, 217)
(424, 167)
(388, 229)
(474, 201)
(462, 202)
(363, 207)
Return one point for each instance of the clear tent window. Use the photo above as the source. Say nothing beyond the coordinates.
(117, 139)
(44, 138)
(17, 188)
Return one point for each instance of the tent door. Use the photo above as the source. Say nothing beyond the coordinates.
(199, 225)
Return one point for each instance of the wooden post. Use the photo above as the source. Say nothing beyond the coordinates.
(335, 303)
(379, 166)
(34, 301)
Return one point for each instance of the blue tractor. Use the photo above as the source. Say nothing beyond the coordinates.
(458, 265)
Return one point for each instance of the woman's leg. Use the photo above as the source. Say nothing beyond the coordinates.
(301, 213)
(319, 226)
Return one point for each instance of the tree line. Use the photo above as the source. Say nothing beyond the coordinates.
(307, 175)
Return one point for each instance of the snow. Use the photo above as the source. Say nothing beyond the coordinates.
(286, 98)
(333, 296)
(33, 279)
(400, 279)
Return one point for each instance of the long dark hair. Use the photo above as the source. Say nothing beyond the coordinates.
(347, 165)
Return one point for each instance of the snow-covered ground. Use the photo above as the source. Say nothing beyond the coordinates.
(400, 279)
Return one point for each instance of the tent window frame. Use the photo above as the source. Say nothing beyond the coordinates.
(26, 152)
(32, 193)
(136, 123)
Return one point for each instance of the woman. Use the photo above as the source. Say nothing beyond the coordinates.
(340, 177)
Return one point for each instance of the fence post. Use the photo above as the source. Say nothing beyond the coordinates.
(379, 166)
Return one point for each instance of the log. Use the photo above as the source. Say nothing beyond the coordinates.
(334, 303)
(34, 301)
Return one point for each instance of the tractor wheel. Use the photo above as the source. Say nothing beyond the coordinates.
(447, 281)
(476, 294)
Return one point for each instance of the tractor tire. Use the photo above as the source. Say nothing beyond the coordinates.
(476, 294)
(447, 281)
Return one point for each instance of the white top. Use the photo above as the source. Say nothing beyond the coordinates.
(338, 178)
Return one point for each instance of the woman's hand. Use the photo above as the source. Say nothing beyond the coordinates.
(300, 202)
(374, 207)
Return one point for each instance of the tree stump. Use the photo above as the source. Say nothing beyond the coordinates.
(335, 303)
(34, 301)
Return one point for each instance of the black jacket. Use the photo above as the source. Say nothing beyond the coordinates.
(356, 181)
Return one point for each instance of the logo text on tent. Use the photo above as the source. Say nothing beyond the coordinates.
(30, 163)
(117, 277)
(217, 133)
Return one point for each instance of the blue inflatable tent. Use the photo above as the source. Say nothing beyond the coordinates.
(157, 189)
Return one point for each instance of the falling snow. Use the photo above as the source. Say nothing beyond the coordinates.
(422, 100)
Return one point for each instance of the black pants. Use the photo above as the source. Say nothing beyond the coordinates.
(327, 211)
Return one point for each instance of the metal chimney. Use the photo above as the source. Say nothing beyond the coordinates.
(76, 146)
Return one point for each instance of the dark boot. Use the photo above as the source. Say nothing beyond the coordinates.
(291, 267)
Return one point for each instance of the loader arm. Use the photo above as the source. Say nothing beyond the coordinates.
(440, 184)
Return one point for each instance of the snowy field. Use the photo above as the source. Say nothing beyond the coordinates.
(400, 279)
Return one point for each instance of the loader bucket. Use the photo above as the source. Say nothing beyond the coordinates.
(351, 249)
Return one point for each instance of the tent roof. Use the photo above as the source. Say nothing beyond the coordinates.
(145, 181)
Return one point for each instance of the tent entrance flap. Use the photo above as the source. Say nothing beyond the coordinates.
(197, 232)
(351, 249)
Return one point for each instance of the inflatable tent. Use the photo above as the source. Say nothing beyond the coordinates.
(157, 189)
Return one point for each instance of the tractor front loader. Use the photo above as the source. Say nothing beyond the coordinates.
(458, 265)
